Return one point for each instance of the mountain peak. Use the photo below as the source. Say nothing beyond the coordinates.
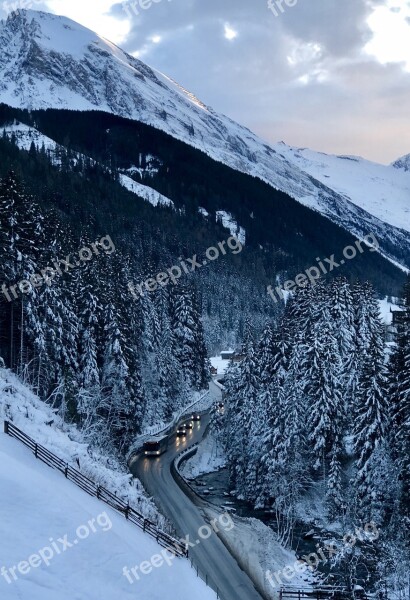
(402, 163)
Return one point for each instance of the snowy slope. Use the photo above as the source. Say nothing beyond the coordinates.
(149, 194)
(50, 61)
(24, 136)
(227, 221)
(38, 506)
(41, 505)
(42, 423)
(383, 191)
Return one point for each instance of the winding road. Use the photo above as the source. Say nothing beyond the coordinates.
(210, 555)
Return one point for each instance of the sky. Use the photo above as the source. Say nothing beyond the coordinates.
(331, 75)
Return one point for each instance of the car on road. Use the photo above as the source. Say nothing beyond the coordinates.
(189, 425)
(181, 432)
(196, 417)
(156, 446)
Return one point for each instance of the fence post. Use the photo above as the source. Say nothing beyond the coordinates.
(6, 427)
(98, 492)
(127, 511)
(66, 472)
(35, 450)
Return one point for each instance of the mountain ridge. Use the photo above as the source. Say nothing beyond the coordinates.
(61, 64)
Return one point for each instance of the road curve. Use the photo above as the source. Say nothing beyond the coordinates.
(211, 555)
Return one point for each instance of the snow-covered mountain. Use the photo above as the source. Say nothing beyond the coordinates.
(52, 62)
(381, 190)
(402, 163)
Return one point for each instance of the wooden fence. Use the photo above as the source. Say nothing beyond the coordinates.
(132, 515)
(320, 593)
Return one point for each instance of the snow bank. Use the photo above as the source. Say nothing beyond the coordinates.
(209, 457)
(40, 421)
(257, 551)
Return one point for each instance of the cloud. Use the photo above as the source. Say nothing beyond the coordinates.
(306, 77)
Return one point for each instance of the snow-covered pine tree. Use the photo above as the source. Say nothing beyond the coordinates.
(20, 233)
(371, 407)
(343, 320)
(117, 406)
(324, 391)
(188, 336)
(242, 390)
(399, 395)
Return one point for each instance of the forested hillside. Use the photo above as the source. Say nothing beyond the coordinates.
(319, 415)
(113, 360)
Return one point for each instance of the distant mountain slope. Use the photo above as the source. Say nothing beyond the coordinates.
(25, 135)
(383, 191)
(51, 61)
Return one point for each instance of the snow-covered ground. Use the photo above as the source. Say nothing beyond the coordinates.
(218, 363)
(143, 191)
(39, 421)
(229, 223)
(385, 310)
(209, 457)
(25, 136)
(39, 507)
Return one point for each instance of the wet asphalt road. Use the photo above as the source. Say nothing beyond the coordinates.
(210, 555)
